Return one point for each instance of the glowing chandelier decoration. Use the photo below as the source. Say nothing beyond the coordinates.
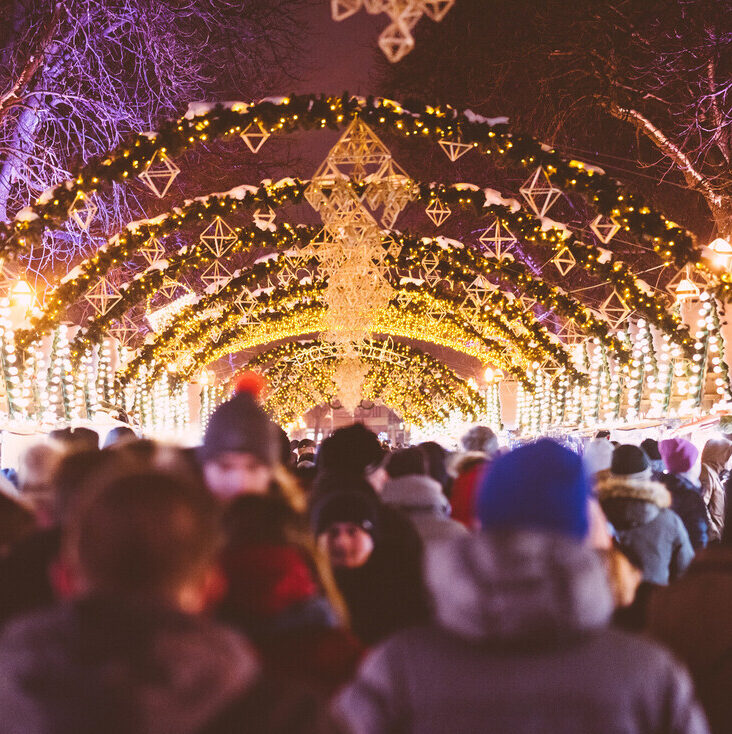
(396, 40)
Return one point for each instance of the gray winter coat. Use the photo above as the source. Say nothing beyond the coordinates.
(521, 644)
(653, 535)
(422, 500)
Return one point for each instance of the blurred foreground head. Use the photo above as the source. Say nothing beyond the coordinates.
(241, 446)
(353, 451)
(150, 535)
(480, 439)
(542, 486)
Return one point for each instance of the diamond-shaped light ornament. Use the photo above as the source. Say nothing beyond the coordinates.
(215, 275)
(103, 295)
(264, 219)
(539, 192)
(255, 135)
(453, 149)
(437, 211)
(687, 279)
(218, 237)
(159, 174)
(82, 210)
(564, 261)
(605, 228)
(436, 9)
(614, 310)
(152, 250)
(497, 239)
(396, 41)
(342, 9)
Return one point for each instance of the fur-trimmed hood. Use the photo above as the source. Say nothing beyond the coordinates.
(646, 490)
(462, 463)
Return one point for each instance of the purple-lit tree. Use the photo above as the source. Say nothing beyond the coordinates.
(642, 82)
(78, 75)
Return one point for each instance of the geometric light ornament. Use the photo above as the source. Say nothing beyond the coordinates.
(722, 252)
(216, 274)
(539, 192)
(82, 210)
(254, 135)
(692, 282)
(103, 295)
(564, 261)
(686, 290)
(396, 39)
(437, 211)
(152, 251)
(218, 237)
(454, 150)
(605, 228)
(124, 330)
(615, 310)
(159, 174)
(497, 239)
(264, 219)
(430, 274)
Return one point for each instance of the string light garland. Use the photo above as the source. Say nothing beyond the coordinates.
(298, 112)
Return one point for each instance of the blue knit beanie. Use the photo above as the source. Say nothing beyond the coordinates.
(541, 486)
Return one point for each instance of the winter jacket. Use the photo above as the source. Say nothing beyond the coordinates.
(388, 592)
(521, 645)
(714, 458)
(694, 618)
(104, 665)
(421, 499)
(272, 597)
(687, 503)
(469, 468)
(647, 531)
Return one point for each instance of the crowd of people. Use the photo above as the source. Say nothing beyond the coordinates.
(254, 584)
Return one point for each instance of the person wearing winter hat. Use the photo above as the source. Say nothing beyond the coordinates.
(523, 610)
(637, 506)
(480, 444)
(377, 562)
(242, 447)
(419, 497)
(650, 446)
(597, 457)
(353, 451)
(682, 481)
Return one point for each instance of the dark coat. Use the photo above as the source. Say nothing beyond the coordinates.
(119, 668)
(520, 645)
(651, 534)
(688, 503)
(388, 592)
(694, 618)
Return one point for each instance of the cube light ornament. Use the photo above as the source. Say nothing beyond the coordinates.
(539, 192)
(604, 228)
(83, 210)
(159, 174)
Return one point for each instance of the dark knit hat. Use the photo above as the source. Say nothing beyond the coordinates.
(541, 486)
(349, 450)
(357, 507)
(241, 426)
(630, 462)
(650, 446)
